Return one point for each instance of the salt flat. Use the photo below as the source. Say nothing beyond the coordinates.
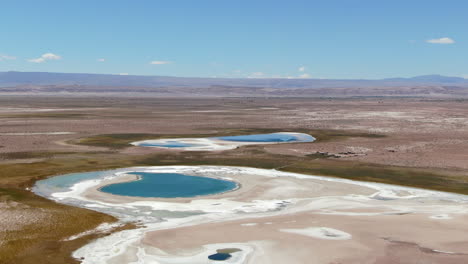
(274, 217)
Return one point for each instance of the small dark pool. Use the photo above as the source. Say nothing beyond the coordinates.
(219, 256)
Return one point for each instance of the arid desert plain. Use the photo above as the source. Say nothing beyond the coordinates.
(384, 180)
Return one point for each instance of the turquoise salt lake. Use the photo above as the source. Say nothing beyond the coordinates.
(149, 184)
(169, 185)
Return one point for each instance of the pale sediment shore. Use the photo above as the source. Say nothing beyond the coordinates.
(277, 217)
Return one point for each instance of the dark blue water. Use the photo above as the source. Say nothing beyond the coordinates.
(169, 144)
(274, 137)
(169, 185)
(219, 256)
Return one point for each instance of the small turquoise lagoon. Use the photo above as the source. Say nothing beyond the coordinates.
(217, 143)
(273, 137)
(169, 185)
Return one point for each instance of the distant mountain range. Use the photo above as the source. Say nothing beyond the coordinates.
(44, 82)
(430, 79)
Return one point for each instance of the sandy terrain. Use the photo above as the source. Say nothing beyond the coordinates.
(376, 239)
(419, 133)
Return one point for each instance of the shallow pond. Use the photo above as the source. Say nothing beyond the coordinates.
(273, 137)
(225, 143)
(219, 256)
(169, 185)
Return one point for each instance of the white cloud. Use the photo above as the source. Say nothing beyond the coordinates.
(101, 60)
(6, 57)
(160, 62)
(38, 60)
(262, 75)
(302, 69)
(123, 73)
(257, 75)
(441, 41)
(45, 57)
(51, 56)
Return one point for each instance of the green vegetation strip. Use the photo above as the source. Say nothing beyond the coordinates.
(118, 141)
(42, 236)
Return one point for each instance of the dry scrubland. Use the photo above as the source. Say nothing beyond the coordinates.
(414, 142)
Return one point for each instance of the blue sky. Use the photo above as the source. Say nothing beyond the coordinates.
(237, 38)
